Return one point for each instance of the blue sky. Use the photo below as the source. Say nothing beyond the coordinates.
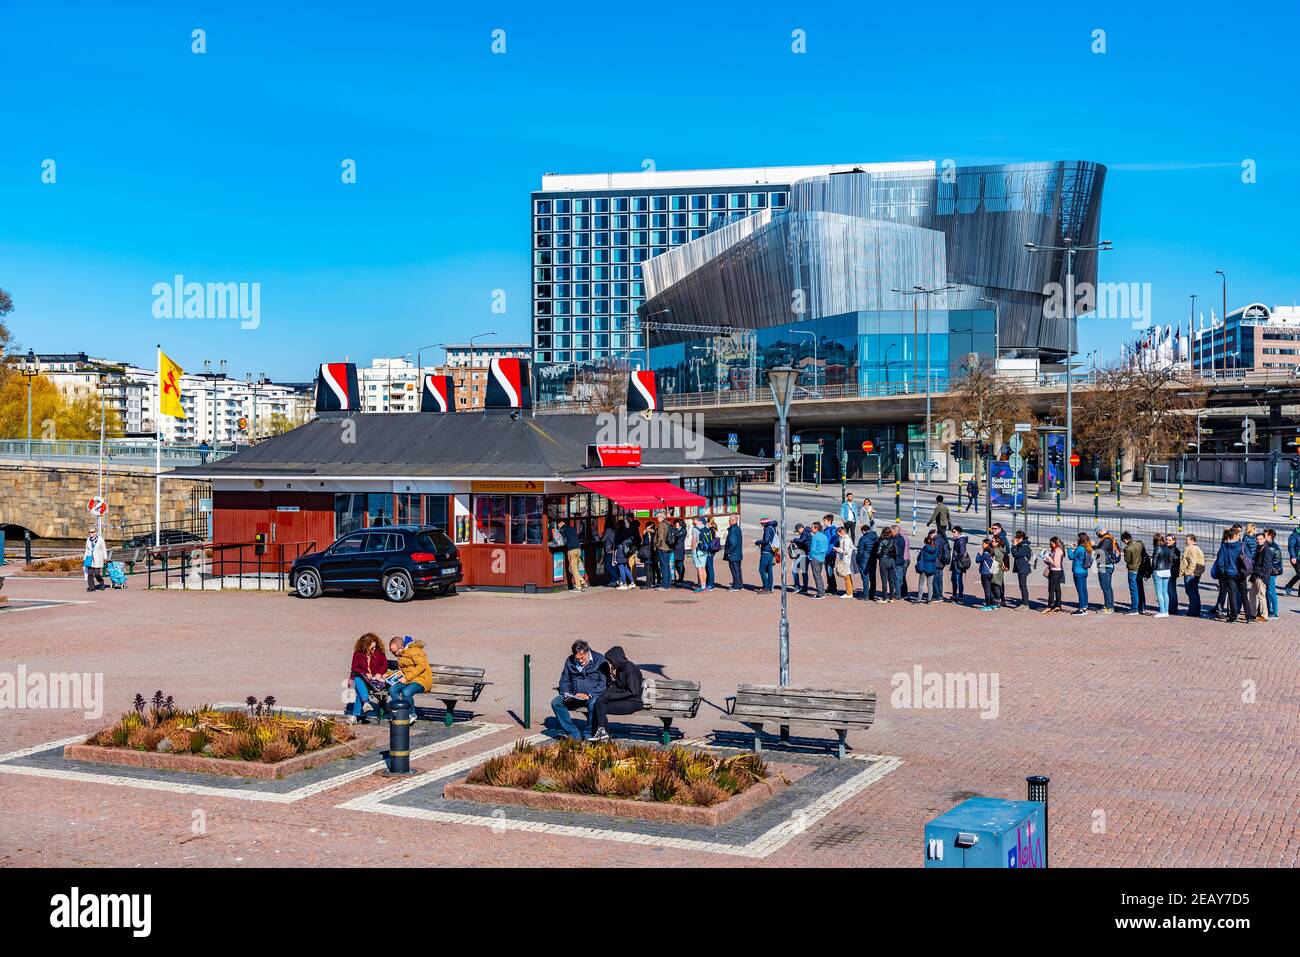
(226, 166)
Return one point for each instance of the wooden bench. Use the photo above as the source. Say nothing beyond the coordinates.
(842, 711)
(453, 683)
(666, 699)
(128, 557)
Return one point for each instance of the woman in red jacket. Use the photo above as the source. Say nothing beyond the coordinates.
(369, 663)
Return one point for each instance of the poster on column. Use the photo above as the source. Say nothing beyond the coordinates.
(1052, 473)
(1005, 487)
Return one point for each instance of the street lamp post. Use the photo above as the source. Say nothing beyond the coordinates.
(922, 291)
(29, 372)
(781, 381)
(1223, 319)
(1071, 249)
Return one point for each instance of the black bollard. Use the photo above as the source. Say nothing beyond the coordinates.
(1038, 792)
(399, 736)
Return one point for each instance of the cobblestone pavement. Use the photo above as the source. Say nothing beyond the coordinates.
(1168, 741)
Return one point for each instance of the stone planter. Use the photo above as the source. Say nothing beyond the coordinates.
(167, 761)
(595, 805)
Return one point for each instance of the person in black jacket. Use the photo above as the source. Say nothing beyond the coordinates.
(866, 560)
(1022, 557)
(733, 550)
(622, 696)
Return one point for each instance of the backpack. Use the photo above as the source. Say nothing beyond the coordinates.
(794, 550)
(673, 537)
(945, 553)
(1144, 570)
(963, 561)
(1245, 564)
(712, 543)
(1087, 559)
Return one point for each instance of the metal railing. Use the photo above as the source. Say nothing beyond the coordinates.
(240, 566)
(116, 452)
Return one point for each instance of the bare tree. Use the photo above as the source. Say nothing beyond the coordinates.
(1149, 412)
(984, 407)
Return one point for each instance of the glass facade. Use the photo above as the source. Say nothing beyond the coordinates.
(859, 242)
(855, 350)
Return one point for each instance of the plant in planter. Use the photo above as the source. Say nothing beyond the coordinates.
(259, 734)
(637, 773)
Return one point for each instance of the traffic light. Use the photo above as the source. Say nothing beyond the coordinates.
(259, 544)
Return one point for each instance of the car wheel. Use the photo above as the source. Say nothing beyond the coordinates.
(397, 586)
(307, 584)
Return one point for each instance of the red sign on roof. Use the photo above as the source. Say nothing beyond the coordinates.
(613, 456)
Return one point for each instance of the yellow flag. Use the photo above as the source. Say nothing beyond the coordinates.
(169, 382)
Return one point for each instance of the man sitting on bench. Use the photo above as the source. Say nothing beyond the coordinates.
(623, 696)
(582, 680)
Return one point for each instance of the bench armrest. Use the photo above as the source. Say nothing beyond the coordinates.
(730, 702)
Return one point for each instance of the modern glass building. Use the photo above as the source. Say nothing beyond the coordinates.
(592, 235)
(828, 279)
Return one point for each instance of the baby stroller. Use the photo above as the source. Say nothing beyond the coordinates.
(116, 574)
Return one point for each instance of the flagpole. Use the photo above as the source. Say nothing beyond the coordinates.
(157, 487)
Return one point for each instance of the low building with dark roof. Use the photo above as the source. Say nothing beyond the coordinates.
(495, 481)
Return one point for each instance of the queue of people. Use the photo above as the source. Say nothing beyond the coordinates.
(849, 556)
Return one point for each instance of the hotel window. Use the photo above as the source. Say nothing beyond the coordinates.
(526, 519)
(542, 274)
(697, 233)
(717, 201)
(698, 202)
(658, 237)
(601, 204)
(490, 519)
(600, 222)
(659, 202)
(658, 220)
(677, 237)
(736, 201)
(699, 219)
(640, 221)
(543, 207)
(580, 205)
(779, 200)
(620, 204)
(580, 356)
(561, 357)
(561, 205)
(678, 201)
(757, 200)
(582, 239)
(543, 224)
(638, 237)
(639, 204)
(581, 222)
(435, 511)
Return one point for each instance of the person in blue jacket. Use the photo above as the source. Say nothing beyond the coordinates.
(832, 543)
(1227, 570)
(1293, 556)
(818, 549)
(582, 680)
(927, 567)
(733, 552)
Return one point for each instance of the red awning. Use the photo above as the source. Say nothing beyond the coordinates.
(642, 494)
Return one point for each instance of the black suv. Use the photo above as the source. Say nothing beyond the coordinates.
(395, 559)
